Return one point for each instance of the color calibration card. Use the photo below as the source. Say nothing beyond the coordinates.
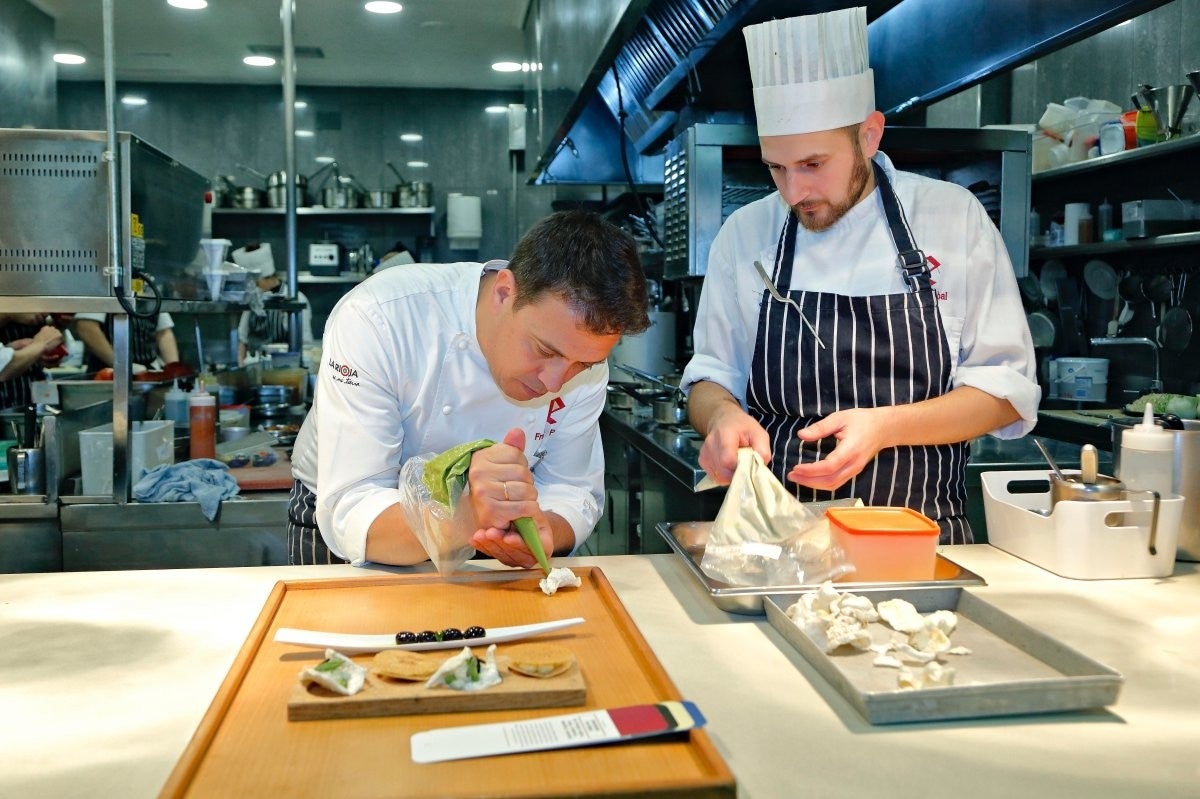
(555, 732)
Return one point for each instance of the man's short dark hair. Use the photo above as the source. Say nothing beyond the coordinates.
(591, 263)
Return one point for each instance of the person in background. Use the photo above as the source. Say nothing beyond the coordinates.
(899, 335)
(396, 255)
(423, 357)
(256, 330)
(31, 345)
(152, 343)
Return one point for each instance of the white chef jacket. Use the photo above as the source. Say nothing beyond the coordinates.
(402, 374)
(989, 340)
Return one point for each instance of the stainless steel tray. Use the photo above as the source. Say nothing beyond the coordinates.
(1013, 669)
(688, 539)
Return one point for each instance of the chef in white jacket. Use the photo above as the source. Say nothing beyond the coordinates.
(423, 357)
(885, 330)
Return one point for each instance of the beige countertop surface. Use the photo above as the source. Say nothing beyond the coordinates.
(105, 676)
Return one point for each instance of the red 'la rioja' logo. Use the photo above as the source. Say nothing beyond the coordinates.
(556, 405)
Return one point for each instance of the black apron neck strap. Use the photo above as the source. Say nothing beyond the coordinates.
(910, 260)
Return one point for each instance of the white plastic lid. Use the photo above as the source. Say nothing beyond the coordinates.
(1148, 435)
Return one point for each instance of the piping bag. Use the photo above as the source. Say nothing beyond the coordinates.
(448, 471)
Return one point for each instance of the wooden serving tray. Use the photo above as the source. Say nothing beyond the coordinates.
(246, 746)
(381, 696)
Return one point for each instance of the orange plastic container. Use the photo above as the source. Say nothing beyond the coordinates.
(886, 544)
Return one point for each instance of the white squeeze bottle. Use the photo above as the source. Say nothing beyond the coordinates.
(175, 405)
(1148, 456)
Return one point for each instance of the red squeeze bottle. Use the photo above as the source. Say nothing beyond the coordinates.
(202, 424)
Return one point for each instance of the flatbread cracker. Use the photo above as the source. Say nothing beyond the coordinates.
(401, 664)
(539, 659)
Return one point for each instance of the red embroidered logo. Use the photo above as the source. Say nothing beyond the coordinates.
(556, 405)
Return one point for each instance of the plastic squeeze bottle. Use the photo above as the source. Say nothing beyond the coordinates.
(175, 406)
(202, 423)
(1148, 456)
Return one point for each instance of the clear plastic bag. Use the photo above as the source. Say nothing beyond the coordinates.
(764, 536)
(444, 531)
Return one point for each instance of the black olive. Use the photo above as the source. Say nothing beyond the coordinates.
(426, 636)
(452, 634)
(474, 632)
(406, 637)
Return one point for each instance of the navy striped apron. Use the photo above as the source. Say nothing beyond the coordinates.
(306, 547)
(880, 350)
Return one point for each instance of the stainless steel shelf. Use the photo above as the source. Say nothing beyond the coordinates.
(1190, 239)
(316, 211)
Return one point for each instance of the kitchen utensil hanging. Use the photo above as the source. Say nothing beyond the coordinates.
(1052, 271)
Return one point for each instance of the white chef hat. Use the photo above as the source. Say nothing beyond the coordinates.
(810, 73)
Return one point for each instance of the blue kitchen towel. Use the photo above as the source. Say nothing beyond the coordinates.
(203, 480)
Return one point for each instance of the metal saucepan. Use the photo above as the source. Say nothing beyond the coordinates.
(620, 397)
(669, 408)
(403, 188)
(277, 189)
(379, 198)
(247, 197)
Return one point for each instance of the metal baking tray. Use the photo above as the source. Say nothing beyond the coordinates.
(1013, 669)
(688, 539)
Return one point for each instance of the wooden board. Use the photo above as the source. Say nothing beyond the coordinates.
(381, 696)
(276, 477)
(245, 745)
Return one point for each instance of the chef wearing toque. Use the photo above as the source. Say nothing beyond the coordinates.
(885, 329)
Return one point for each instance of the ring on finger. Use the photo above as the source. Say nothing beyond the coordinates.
(505, 484)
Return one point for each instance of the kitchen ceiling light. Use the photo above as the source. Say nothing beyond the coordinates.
(258, 61)
(497, 109)
(299, 104)
(506, 66)
(383, 7)
(69, 58)
(411, 137)
(304, 134)
(417, 164)
(324, 159)
(133, 99)
(189, 5)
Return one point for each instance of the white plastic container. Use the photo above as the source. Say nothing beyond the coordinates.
(1080, 540)
(1148, 456)
(151, 444)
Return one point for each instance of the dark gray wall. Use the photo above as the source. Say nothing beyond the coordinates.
(1158, 47)
(28, 73)
(213, 129)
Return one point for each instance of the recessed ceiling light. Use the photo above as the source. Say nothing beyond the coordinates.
(258, 61)
(69, 58)
(383, 7)
(324, 159)
(506, 66)
(417, 164)
(190, 5)
(411, 137)
(497, 109)
(133, 99)
(299, 104)
(304, 133)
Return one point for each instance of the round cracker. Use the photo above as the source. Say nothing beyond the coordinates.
(402, 664)
(539, 659)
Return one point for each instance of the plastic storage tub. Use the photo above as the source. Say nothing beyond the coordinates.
(150, 444)
(888, 544)
(1102, 540)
